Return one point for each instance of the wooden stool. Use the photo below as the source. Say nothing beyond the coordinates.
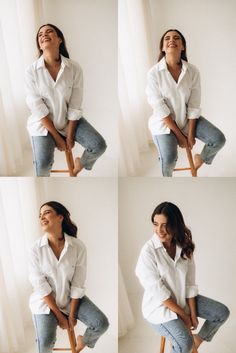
(72, 339)
(70, 164)
(191, 164)
(162, 346)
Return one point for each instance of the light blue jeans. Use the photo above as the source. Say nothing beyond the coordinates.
(176, 332)
(167, 145)
(85, 135)
(88, 313)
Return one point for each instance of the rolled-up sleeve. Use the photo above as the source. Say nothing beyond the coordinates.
(149, 277)
(74, 107)
(78, 279)
(191, 287)
(34, 100)
(194, 110)
(157, 102)
(37, 278)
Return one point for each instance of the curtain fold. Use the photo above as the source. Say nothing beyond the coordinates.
(133, 64)
(19, 203)
(18, 25)
(126, 319)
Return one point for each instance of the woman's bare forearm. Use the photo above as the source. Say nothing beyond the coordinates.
(50, 301)
(171, 124)
(72, 124)
(73, 307)
(192, 306)
(48, 124)
(170, 303)
(192, 127)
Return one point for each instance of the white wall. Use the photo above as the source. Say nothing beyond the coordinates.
(209, 28)
(90, 30)
(208, 206)
(93, 207)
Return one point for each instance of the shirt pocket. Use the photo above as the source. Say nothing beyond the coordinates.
(69, 270)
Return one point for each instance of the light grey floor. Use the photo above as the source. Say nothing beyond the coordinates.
(142, 338)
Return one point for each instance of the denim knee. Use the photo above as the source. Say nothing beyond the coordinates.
(185, 346)
(100, 146)
(43, 166)
(101, 324)
(223, 313)
(219, 140)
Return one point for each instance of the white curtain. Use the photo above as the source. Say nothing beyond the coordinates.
(133, 64)
(19, 204)
(19, 20)
(126, 319)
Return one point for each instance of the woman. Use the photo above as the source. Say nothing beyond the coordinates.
(54, 95)
(57, 269)
(173, 91)
(166, 270)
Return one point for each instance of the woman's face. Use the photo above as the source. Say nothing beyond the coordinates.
(49, 219)
(172, 43)
(48, 38)
(160, 222)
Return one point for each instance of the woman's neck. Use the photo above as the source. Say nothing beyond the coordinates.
(52, 58)
(173, 61)
(56, 238)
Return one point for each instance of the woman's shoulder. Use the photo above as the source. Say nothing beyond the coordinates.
(71, 63)
(190, 67)
(76, 242)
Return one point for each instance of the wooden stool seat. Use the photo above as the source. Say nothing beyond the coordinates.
(70, 164)
(72, 340)
(163, 342)
(191, 164)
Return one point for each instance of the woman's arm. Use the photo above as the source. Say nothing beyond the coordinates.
(48, 124)
(62, 320)
(72, 124)
(170, 304)
(72, 315)
(191, 132)
(170, 123)
(193, 311)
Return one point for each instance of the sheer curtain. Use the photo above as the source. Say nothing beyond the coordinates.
(19, 20)
(19, 204)
(134, 62)
(126, 319)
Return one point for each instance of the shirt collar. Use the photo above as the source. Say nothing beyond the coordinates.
(40, 62)
(44, 240)
(157, 244)
(163, 65)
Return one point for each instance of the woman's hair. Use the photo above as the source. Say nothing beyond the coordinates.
(62, 48)
(176, 227)
(67, 225)
(183, 53)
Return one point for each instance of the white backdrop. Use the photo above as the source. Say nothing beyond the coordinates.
(90, 30)
(209, 29)
(208, 206)
(93, 206)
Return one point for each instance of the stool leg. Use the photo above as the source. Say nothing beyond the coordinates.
(72, 339)
(70, 162)
(162, 345)
(190, 159)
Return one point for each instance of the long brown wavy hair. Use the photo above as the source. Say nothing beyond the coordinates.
(62, 48)
(183, 53)
(67, 225)
(176, 227)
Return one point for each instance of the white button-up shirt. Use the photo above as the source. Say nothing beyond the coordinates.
(64, 278)
(179, 99)
(164, 278)
(61, 99)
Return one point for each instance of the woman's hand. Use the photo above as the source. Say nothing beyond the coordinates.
(191, 141)
(187, 321)
(72, 322)
(70, 143)
(182, 140)
(60, 143)
(62, 321)
(194, 321)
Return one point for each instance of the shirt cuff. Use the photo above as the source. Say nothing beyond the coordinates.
(193, 113)
(161, 111)
(43, 290)
(74, 114)
(191, 291)
(76, 292)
